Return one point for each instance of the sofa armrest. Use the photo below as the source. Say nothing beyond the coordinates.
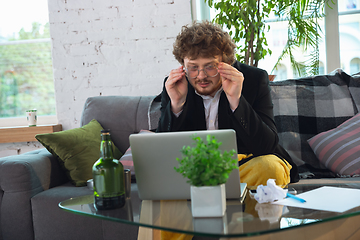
(22, 177)
(33, 171)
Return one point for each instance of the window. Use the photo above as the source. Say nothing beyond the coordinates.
(280, 72)
(349, 31)
(347, 14)
(355, 65)
(321, 68)
(26, 75)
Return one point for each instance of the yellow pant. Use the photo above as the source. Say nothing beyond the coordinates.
(258, 170)
(254, 172)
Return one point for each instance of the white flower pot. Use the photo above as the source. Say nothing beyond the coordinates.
(208, 201)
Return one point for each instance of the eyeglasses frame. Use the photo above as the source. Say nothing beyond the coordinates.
(186, 71)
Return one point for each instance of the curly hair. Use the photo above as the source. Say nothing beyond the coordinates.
(203, 39)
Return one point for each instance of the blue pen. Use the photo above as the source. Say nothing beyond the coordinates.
(295, 197)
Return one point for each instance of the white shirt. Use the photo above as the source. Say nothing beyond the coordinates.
(211, 107)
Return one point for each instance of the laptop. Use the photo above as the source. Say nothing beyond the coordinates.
(154, 157)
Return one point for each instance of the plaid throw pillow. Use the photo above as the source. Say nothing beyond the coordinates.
(339, 149)
(307, 106)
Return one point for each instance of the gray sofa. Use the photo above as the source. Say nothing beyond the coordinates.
(32, 184)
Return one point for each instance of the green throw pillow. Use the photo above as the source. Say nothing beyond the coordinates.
(77, 150)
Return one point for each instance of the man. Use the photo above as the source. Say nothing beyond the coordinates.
(211, 90)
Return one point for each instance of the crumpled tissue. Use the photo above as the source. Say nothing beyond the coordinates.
(269, 193)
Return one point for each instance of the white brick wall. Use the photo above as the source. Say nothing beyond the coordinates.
(111, 47)
(108, 47)
(7, 149)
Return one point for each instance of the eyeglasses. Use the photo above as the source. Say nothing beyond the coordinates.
(210, 71)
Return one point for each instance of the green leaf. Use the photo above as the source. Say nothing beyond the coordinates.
(245, 21)
(205, 164)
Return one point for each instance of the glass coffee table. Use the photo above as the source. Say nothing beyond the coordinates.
(241, 219)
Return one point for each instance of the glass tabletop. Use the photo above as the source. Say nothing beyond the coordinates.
(245, 218)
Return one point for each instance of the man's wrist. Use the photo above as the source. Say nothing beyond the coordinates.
(177, 108)
(234, 104)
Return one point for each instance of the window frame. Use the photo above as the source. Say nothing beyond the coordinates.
(21, 121)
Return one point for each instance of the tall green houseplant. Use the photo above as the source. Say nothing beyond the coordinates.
(246, 19)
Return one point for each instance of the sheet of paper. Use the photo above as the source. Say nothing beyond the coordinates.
(331, 199)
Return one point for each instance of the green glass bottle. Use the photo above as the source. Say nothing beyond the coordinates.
(108, 177)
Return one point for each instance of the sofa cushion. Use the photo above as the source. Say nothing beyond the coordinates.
(339, 149)
(76, 149)
(124, 115)
(307, 106)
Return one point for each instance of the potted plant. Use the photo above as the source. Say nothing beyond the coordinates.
(207, 170)
(246, 23)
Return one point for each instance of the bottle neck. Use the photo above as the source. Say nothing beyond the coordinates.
(106, 152)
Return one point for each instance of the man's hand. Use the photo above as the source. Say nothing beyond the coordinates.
(177, 88)
(232, 83)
